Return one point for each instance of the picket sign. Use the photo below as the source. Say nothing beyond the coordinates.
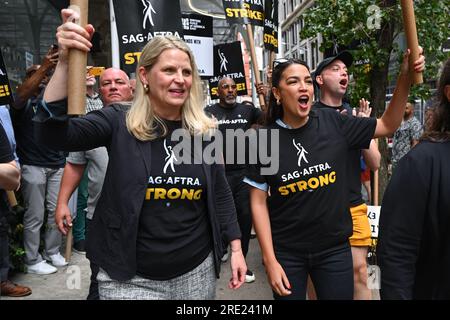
(373, 213)
(373, 270)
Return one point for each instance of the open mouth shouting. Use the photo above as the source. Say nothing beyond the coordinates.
(303, 101)
(344, 83)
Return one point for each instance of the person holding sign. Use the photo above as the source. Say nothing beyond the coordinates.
(413, 243)
(158, 229)
(42, 169)
(303, 226)
(332, 78)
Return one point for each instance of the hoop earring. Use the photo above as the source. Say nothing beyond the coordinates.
(146, 88)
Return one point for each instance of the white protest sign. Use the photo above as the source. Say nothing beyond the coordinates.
(373, 213)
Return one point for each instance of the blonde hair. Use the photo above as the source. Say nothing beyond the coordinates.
(142, 121)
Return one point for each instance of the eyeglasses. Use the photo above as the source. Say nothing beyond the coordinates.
(226, 86)
(277, 62)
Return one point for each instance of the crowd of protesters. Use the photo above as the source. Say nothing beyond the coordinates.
(161, 228)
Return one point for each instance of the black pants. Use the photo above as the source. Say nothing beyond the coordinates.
(331, 272)
(241, 197)
(93, 288)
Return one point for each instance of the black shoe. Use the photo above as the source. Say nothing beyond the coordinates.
(249, 277)
(80, 246)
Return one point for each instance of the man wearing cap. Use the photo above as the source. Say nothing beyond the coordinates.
(331, 77)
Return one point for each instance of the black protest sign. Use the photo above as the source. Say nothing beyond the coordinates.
(271, 25)
(139, 22)
(244, 11)
(198, 34)
(5, 88)
(228, 63)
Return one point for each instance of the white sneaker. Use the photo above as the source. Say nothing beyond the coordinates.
(41, 268)
(250, 277)
(57, 260)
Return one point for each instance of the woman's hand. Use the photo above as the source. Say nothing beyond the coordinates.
(419, 64)
(72, 36)
(278, 279)
(238, 269)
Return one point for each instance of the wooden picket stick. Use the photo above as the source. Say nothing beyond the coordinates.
(69, 238)
(375, 184)
(76, 84)
(11, 198)
(271, 59)
(262, 101)
(409, 24)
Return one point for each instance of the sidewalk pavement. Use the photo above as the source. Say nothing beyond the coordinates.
(72, 282)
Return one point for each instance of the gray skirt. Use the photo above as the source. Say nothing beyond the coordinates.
(197, 284)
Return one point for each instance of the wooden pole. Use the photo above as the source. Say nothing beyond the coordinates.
(262, 101)
(375, 184)
(11, 198)
(76, 84)
(69, 245)
(271, 59)
(409, 24)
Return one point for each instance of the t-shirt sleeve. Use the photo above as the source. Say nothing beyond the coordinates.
(78, 157)
(6, 154)
(358, 131)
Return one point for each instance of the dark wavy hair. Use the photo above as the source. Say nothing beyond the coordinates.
(439, 128)
(275, 111)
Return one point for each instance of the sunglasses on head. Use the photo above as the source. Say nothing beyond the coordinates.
(227, 86)
(278, 62)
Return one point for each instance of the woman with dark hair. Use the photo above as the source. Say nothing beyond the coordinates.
(413, 246)
(300, 212)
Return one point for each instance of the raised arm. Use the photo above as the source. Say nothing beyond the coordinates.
(392, 117)
(69, 36)
(31, 84)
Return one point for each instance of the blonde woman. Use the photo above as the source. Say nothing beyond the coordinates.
(158, 229)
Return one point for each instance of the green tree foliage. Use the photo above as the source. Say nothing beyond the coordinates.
(375, 26)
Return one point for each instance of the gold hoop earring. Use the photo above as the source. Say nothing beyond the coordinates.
(146, 88)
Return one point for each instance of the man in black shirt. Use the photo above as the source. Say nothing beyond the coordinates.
(232, 116)
(42, 169)
(332, 78)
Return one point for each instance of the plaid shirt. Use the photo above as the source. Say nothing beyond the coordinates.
(93, 103)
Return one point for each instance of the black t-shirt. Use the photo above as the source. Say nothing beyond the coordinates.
(29, 150)
(174, 234)
(308, 204)
(353, 164)
(240, 116)
(6, 156)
